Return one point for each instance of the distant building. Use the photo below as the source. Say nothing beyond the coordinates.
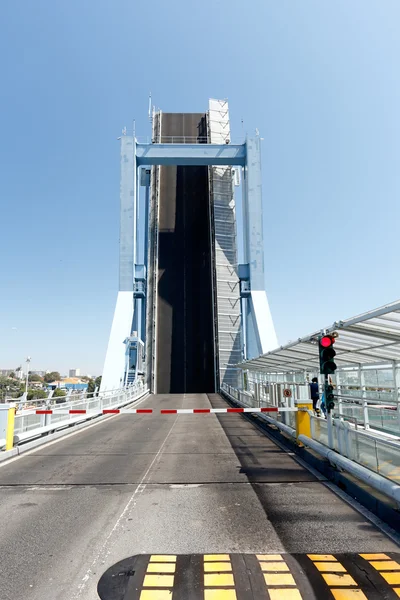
(74, 372)
(36, 384)
(39, 373)
(69, 383)
(7, 372)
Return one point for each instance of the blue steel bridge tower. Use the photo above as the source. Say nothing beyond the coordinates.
(187, 313)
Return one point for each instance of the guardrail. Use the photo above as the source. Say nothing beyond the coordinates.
(372, 410)
(29, 425)
(376, 453)
(370, 456)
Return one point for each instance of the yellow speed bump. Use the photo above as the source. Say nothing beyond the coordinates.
(316, 557)
(348, 594)
(156, 595)
(158, 581)
(218, 567)
(284, 594)
(220, 595)
(330, 567)
(161, 568)
(163, 558)
(378, 556)
(274, 566)
(279, 579)
(218, 580)
(385, 565)
(333, 579)
(392, 578)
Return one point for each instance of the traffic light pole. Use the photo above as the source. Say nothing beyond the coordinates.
(329, 422)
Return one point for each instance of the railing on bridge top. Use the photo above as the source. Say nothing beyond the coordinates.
(181, 139)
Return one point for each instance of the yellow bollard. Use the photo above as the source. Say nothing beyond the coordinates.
(10, 427)
(303, 422)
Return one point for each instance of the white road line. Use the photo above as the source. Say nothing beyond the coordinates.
(107, 545)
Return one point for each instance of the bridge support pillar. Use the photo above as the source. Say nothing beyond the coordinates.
(259, 327)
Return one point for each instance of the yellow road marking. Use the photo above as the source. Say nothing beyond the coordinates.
(217, 566)
(277, 573)
(385, 565)
(349, 594)
(161, 568)
(392, 578)
(315, 557)
(163, 558)
(333, 579)
(375, 556)
(156, 595)
(216, 557)
(220, 579)
(220, 595)
(279, 579)
(158, 581)
(330, 567)
(274, 566)
(284, 594)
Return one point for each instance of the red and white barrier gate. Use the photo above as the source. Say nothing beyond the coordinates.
(164, 411)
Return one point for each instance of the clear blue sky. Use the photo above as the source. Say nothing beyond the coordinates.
(319, 79)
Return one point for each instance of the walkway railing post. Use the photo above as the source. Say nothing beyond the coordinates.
(396, 392)
(329, 423)
(339, 396)
(348, 433)
(365, 413)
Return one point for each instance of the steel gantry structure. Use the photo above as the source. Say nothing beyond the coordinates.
(242, 322)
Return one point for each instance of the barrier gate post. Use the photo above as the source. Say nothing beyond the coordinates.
(303, 421)
(10, 426)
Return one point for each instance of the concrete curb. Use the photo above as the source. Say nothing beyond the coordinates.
(7, 454)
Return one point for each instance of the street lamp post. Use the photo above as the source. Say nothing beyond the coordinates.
(28, 360)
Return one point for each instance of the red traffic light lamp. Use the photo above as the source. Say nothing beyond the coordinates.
(327, 341)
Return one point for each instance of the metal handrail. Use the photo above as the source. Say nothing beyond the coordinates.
(362, 398)
(181, 139)
(42, 423)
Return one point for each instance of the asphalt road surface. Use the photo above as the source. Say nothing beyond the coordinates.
(184, 305)
(151, 491)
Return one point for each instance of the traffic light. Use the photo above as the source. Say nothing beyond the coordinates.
(326, 355)
(329, 397)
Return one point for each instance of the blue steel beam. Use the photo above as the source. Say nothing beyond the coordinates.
(191, 154)
(127, 237)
